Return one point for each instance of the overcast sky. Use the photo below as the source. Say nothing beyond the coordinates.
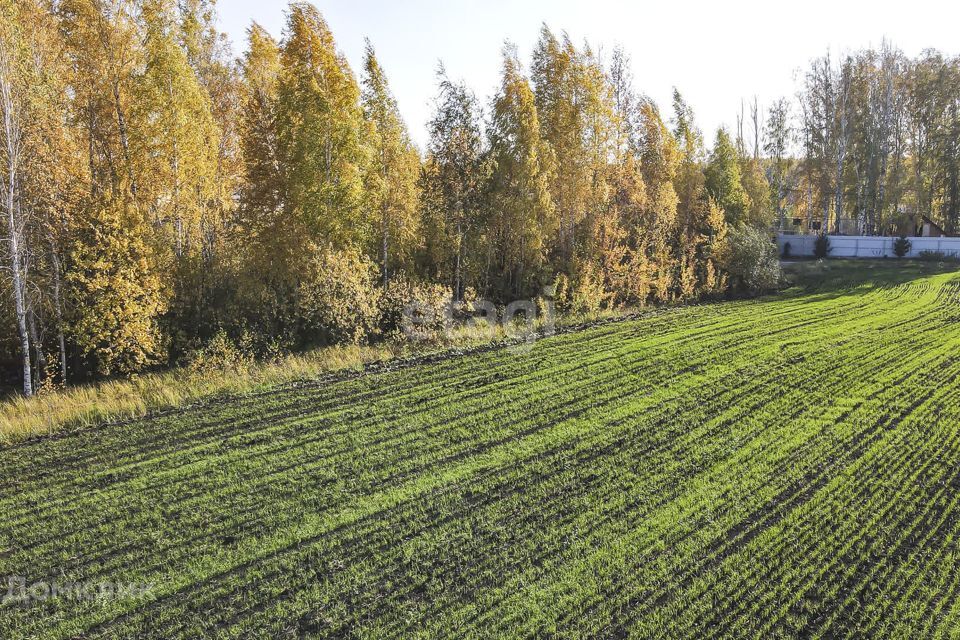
(716, 53)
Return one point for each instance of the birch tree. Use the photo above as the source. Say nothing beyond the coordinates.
(321, 133)
(12, 110)
(391, 178)
(776, 146)
(453, 179)
(840, 109)
(522, 212)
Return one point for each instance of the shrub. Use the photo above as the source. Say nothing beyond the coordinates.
(936, 256)
(588, 293)
(338, 299)
(562, 294)
(901, 246)
(403, 296)
(751, 258)
(582, 293)
(821, 247)
(222, 354)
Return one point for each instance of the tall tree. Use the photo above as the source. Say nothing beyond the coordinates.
(261, 191)
(13, 109)
(841, 137)
(522, 215)
(174, 137)
(321, 132)
(689, 179)
(210, 56)
(625, 105)
(776, 146)
(819, 105)
(102, 41)
(453, 182)
(391, 180)
(574, 102)
(724, 180)
(52, 183)
(661, 159)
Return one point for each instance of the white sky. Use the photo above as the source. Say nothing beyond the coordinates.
(716, 53)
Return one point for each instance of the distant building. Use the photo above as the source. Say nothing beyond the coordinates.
(923, 227)
(930, 229)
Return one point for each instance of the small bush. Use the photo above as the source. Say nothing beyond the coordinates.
(562, 294)
(751, 258)
(221, 354)
(936, 256)
(403, 296)
(588, 292)
(821, 247)
(581, 293)
(339, 298)
(901, 246)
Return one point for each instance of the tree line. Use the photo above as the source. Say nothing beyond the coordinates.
(876, 139)
(157, 192)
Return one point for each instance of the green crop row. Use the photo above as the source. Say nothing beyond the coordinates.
(784, 467)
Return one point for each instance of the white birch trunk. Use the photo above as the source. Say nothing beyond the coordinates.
(13, 142)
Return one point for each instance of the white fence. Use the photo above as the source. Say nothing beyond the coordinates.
(866, 246)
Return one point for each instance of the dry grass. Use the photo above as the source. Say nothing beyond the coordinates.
(90, 405)
(87, 405)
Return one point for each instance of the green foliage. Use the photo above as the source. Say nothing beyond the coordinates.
(821, 246)
(403, 297)
(759, 212)
(587, 293)
(936, 256)
(223, 354)
(724, 179)
(261, 193)
(391, 177)
(452, 189)
(583, 294)
(901, 246)
(456, 480)
(321, 133)
(751, 258)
